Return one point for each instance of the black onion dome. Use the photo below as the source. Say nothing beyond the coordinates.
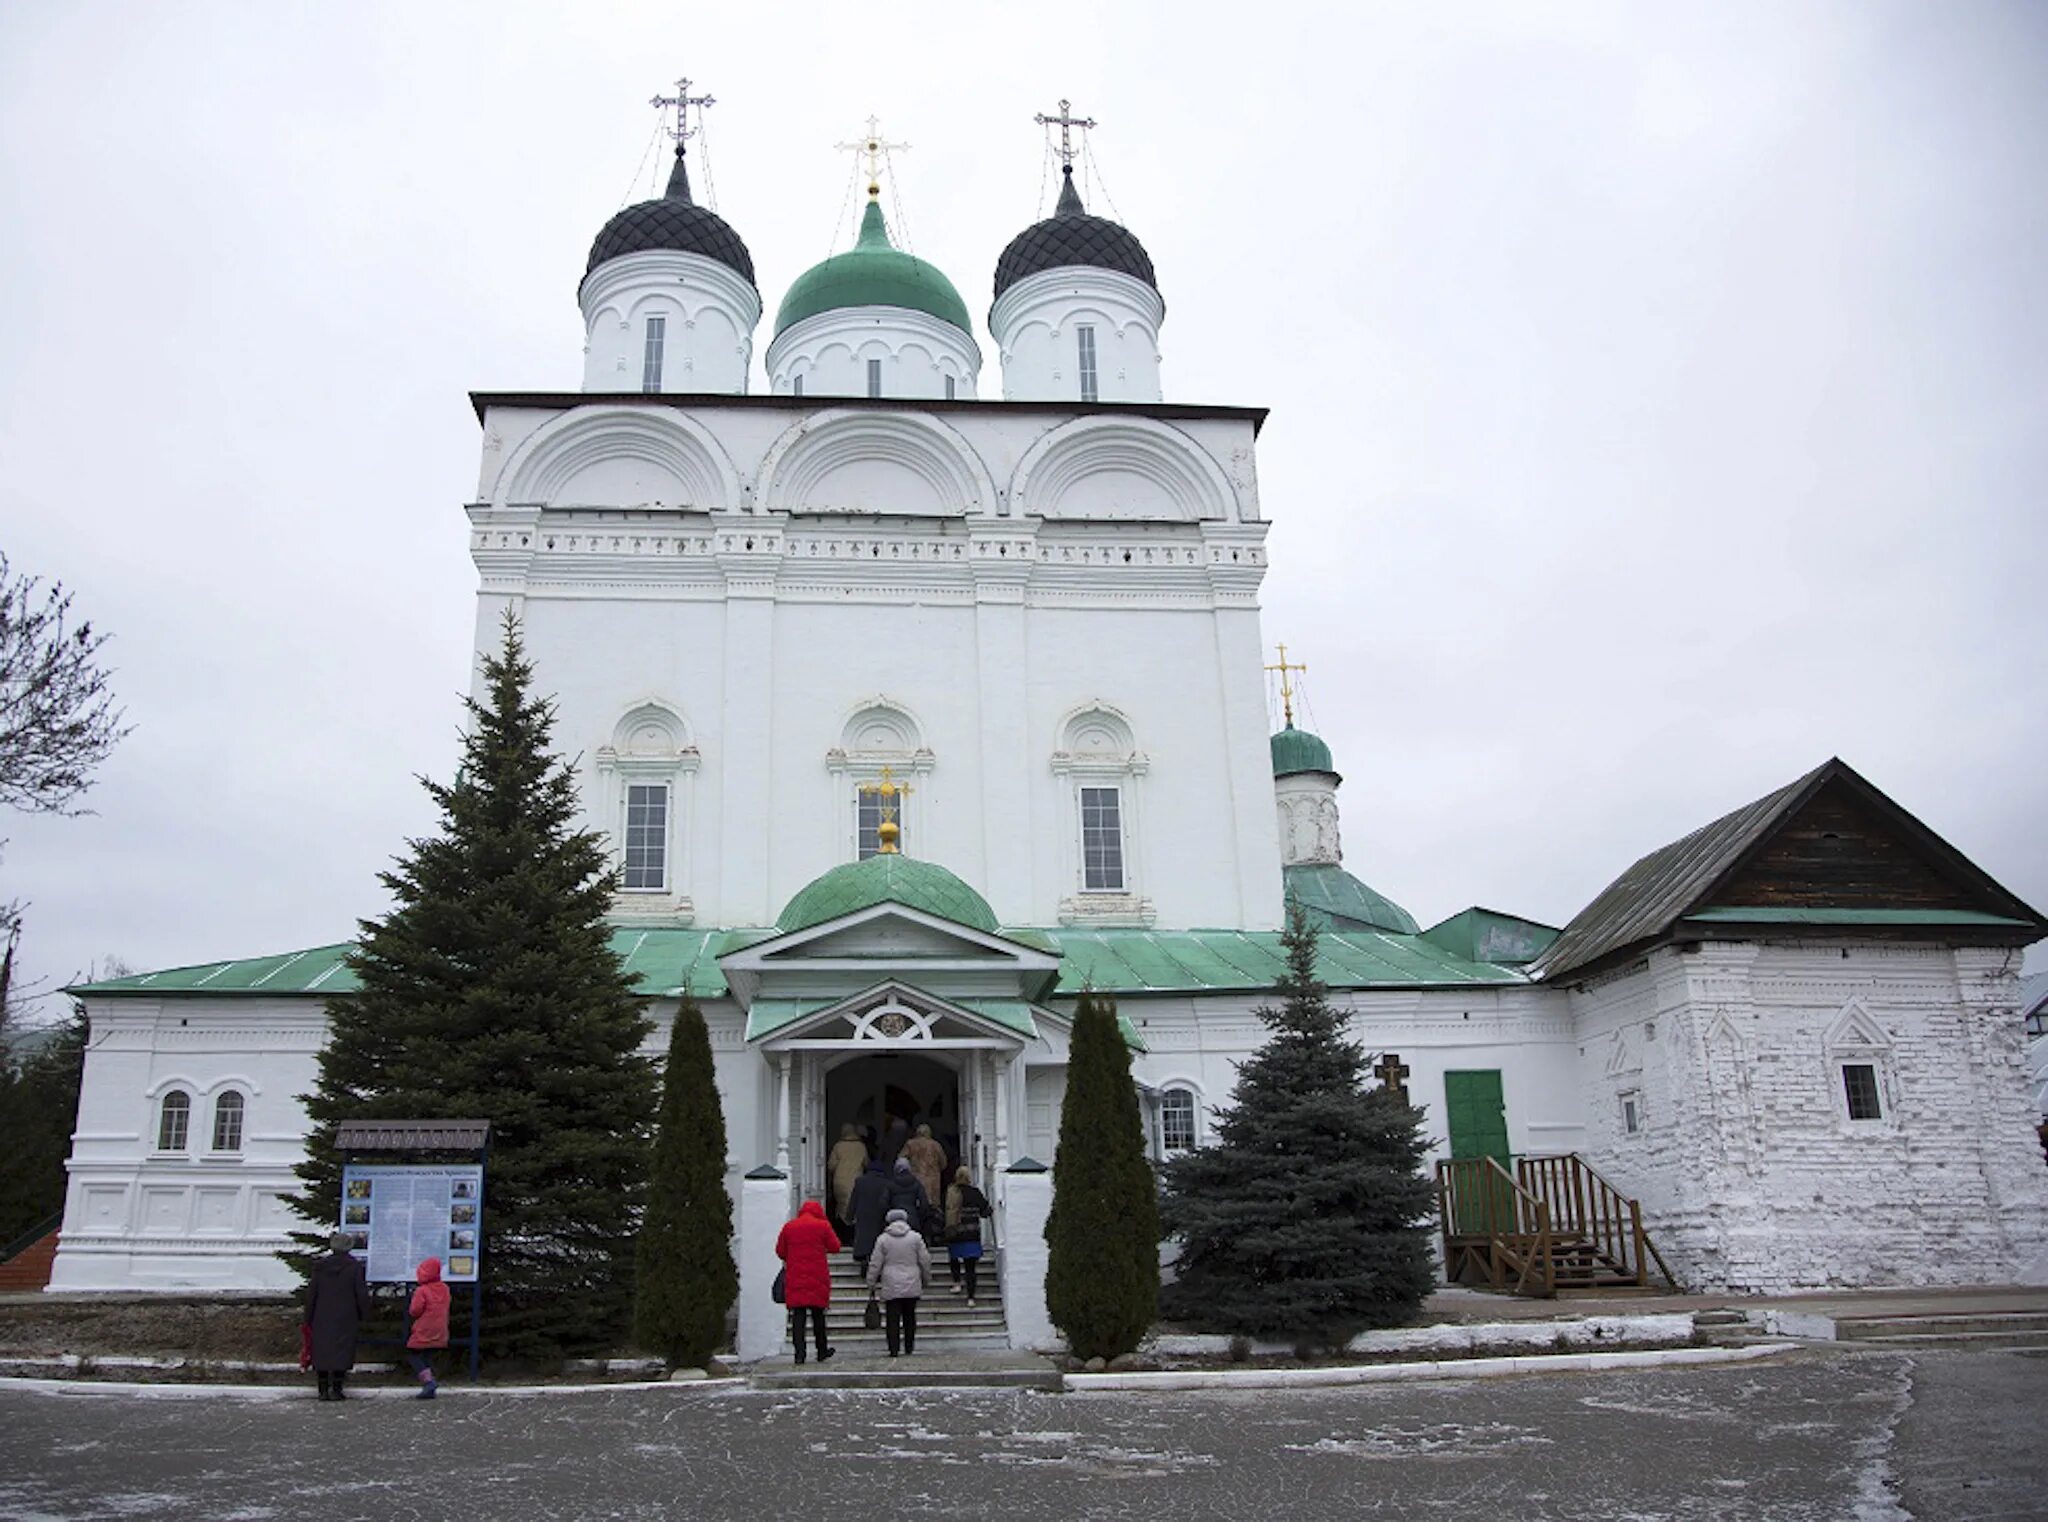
(674, 223)
(1070, 236)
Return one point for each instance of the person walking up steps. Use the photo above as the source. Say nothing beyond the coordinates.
(965, 1207)
(337, 1300)
(848, 1160)
(899, 1271)
(927, 1160)
(429, 1314)
(805, 1247)
(870, 1211)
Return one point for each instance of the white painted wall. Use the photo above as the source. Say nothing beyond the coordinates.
(1034, 324)
(710, 314)
(918, 354)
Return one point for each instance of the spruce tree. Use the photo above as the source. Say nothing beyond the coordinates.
(491, 991)
(686, 1279)
(38, 1112)
(1102, 1274)
(1308, 1217)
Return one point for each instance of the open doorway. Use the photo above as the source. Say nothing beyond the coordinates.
(867, 1092)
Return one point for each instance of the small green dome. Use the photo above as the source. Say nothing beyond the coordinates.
(873, 273)
(1296, 750)
(1335, 900)
(886, 879)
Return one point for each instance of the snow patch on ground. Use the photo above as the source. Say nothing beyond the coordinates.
(1441, 1439)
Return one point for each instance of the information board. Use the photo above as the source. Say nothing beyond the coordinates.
(397, 1215)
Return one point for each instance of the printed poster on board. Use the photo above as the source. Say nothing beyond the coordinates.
(396, 1214)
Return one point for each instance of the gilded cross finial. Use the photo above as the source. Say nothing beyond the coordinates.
(1283, 666)
(888, 792)
(682, 100)
(873, 146)
(1066, 121)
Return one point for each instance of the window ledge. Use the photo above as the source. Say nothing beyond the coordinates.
(639, 904)
(1107, 909)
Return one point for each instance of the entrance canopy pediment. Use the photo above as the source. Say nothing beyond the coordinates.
(891, 1016)
(833, 959)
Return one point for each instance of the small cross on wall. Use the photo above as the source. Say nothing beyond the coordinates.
(1393, 1072)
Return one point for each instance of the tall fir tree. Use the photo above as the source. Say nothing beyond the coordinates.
(1102, 1238)
(491, 991)
(686, 1280)
(1307, 1218)
(38, 1112)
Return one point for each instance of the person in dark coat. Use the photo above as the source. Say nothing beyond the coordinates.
(337, 1300)
(870, 1211)
(805, 1247)
(907, 1195)
(893, 1139)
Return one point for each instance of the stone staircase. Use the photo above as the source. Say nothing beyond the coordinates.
(29, 1269)
(2024, 1331)
(945, 1321)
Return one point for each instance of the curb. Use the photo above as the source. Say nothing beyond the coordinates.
(304, 1392)
(1392, 1373)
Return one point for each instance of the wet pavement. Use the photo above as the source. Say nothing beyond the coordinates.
(1810, 1436)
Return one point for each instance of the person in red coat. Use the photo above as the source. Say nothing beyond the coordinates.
(804, 1246)
(429, 1314)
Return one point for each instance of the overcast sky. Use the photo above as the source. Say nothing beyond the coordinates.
(1658, 392)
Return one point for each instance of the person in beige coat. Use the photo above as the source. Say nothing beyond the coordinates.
(843, 1168)
(927, 1161)
(898, 1271)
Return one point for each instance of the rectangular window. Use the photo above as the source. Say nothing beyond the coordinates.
(950, 389)
(1102, 840)
(1859, 1087)
(650, 368)
(874, 377)
(646, 837)
(1177, 1121)
(1631, 1114)
(1086, 336)
(227, 1123)
(871, 813)
(796, 385)
(175, 1124)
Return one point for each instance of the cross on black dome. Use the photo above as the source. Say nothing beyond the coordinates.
(674, 224)
(1071, 236)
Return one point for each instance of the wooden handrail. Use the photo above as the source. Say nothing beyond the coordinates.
(1477, 1197)
(1585, 1207)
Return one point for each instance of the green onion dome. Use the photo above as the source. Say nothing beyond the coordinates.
(1296, 750)
(888, 878)
(873, 273)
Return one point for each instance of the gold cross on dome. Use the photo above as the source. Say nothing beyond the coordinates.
(1066, 121)
(1286, 688)
(682, 100)
(873, 146)
(888, 792)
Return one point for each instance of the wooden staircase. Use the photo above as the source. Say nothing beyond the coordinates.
(1552, 1224)
(28, 1262)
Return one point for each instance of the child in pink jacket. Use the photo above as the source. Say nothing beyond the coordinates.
(429, 1314)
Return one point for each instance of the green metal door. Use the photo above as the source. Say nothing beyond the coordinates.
(1478, 1120)
(1477, 1115)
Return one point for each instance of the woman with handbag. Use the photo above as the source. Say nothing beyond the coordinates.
(804, 1246)
(899, 1271)
(965, 1207)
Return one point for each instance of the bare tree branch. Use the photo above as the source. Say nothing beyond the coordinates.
(58, 721)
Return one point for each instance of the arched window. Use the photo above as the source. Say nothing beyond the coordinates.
(1177, 1121)
(881, 761)
(227, 1122)
(174, 1122)
(1100, 760)
(644, 775)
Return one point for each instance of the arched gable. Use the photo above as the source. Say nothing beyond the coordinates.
(1121, 468)
(620, 457)
(844, 460)
(651, 728)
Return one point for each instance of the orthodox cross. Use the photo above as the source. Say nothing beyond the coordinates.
(1286, 689)
(1066, 121)
(886, 791)
(873, 147)
(682, 100)
(1393, 1072)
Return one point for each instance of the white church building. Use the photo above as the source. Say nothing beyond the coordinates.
(910, 714)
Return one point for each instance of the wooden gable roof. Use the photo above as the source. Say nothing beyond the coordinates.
(1826, 850)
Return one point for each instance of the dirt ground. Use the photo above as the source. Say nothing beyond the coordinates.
(45, 1326)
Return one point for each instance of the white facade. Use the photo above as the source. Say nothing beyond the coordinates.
(1039, 324)
(875, 351)
(669, 323)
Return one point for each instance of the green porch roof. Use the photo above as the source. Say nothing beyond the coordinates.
(667, 962)
(888, 878)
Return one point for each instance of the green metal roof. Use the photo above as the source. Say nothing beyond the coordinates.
(873, 273)
(1335, 900)
(890, 878)
(1487, 935)
(1296, 750)
(1778, 915)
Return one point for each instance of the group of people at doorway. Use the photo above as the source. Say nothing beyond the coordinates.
(893, 1217)
(337, 1300)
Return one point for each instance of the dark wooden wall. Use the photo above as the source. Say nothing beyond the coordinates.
(1840, 853)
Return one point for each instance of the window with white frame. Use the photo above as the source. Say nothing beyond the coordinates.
(871, 807)
(1085, 337)
(650, 367)
(174, 1121)
(646, 864)
(1102, 840)
(1859, 1058)
(227, 1122)
(1860, 1091)
(874, 377)
(1177, 1121)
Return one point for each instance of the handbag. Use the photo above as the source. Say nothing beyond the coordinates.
(780, 1289)
(871, 1318)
